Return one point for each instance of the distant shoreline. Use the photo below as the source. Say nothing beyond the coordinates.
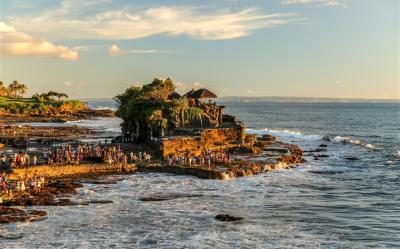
(283, 99)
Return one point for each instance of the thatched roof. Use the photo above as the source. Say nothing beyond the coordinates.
(174, 95)
(201, 93)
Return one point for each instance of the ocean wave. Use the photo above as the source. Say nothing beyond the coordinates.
(100, 107)
(107, 124)
(284, 133)
(348, 140)
(397, 153)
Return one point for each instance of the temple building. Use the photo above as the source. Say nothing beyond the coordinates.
(213, 130)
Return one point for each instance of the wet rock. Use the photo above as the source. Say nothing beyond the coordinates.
(11, 214)
(326, 138)
(11, 236)
(156, 198)
(315, 151)
(267, 138)
(321, 155)
(48, 194)
(227, 217)
(277, 149)
(100, 181)
(325, 172)
(167, 197)
(100, 202)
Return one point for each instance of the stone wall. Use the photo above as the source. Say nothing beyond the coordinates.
(219, 136)
(180, 145)
(208, 139)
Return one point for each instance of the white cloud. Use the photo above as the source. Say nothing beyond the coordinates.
(14, 43)
(114, 50)
(144, 51)
(75, 85)
(185, 87)
(315, 2)
(70, 21)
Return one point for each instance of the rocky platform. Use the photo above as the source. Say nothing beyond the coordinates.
(276, 155)
(63, 180)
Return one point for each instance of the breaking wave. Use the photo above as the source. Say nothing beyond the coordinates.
(284, 133)
(348, 140)
(397, 153)
(296, 134)
(103, 124)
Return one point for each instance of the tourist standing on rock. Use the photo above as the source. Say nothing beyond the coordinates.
(34, 158)
(23, 188)
(3, 161)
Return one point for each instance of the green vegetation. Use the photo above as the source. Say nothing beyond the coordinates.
(12, 102)
(148, 111)
(15, 89)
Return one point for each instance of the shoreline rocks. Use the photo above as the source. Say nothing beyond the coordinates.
(227, 218)
(12, 214)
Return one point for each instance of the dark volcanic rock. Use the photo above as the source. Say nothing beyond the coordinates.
(10, 214)
(47, 197)
(315, 151)
(322, 155)
(167, 197)
(100, 202)
(325, 172)
(227, 217)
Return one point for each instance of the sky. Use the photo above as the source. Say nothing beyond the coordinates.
(302, 48)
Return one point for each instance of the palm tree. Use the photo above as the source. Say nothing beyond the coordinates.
(62, 95)
(157, 121)
(195, 113)
(17, 89)
(3, 90)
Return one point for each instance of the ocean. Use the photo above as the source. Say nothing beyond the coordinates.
(350, 198)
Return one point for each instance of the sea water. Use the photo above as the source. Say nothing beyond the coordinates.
(332, 202)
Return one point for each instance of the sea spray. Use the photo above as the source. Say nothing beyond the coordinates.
(348, 140)
(284, 133)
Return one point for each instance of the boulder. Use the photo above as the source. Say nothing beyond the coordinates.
(277, 149)
(11, 214)
(227, 217)
(267, 138)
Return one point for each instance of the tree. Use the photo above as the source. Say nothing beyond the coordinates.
(146, 111)
(3, 90)
(62, 95)
(16, 89)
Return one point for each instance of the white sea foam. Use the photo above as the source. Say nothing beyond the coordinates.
(389, 162)
(348, 140)
(397, 153)
(284, 133)
(99, 107)
(104, 124)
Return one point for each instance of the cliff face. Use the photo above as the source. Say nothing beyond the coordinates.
(216, 138)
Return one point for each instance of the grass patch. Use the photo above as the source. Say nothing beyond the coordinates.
(9, 105)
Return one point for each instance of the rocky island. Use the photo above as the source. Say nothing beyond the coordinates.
(161, 131)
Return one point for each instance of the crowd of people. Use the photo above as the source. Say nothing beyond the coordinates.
(206, 158)
(68, 154)
(19, 159)
(33, 184)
